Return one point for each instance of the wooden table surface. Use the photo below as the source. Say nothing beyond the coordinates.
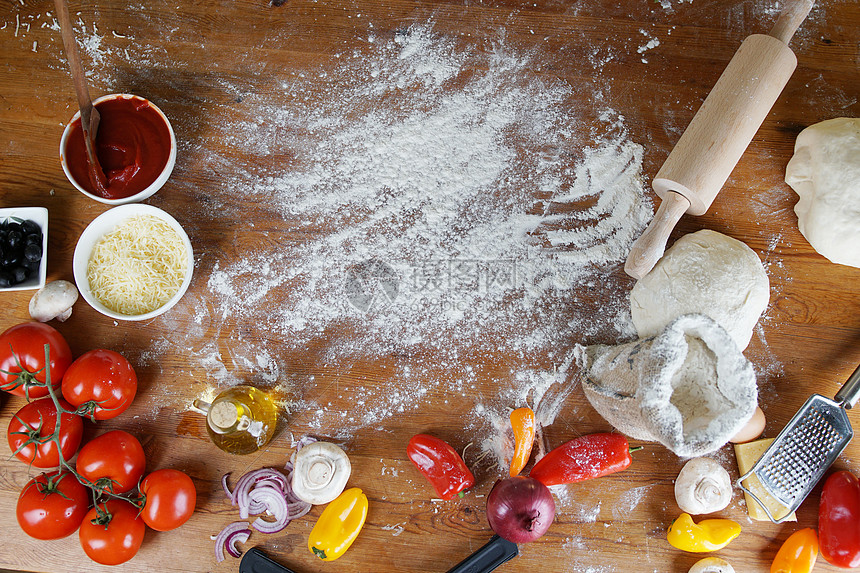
(231, 75)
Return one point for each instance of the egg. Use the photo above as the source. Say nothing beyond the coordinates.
(752, 429)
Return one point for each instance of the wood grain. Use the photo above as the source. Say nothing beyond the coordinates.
(229, 52)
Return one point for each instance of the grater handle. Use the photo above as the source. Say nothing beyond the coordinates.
(850, 391)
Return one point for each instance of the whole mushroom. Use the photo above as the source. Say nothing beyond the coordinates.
(712, 565)
(703, 486)
(54, 300)
(321, 472)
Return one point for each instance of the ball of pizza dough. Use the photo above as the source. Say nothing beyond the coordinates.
(825, 173)
(703, 273)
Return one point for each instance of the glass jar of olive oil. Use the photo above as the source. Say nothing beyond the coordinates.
(241, 419)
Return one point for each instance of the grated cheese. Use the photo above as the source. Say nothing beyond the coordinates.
(137, 267)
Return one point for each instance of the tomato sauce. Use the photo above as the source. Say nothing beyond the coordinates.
(132, 145)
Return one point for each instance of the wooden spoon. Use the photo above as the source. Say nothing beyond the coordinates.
(89, 114)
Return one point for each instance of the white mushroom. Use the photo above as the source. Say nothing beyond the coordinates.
(703, 486)
(320, 474)
(54, 300)
(712, 565)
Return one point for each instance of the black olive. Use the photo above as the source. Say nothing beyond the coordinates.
(20, 274)
(14, 238)
(13, 226)
(32, 265)
(30, 227)
(33, 252)
(33, 238)
(11, 258)
(5, 279)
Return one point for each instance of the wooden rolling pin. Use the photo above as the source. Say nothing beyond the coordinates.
(713, 143)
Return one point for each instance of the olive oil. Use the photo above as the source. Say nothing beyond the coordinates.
(241, 419)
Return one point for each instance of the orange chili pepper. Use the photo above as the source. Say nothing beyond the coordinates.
(523, 423)
(798, 553)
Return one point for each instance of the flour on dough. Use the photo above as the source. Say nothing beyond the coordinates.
(703, 273)
(825, 173)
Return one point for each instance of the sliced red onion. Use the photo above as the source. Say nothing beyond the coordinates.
(304, 441)
(264, 526)
(272, 501)
(297, 508)
(236, 537)
(226, 487)
(266, 491)
(236, 532)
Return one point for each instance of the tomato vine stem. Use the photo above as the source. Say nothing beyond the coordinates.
(99, 493)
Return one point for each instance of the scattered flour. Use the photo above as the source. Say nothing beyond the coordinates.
(652, 43)
(626, 503)
(447, 200)
(395, 529)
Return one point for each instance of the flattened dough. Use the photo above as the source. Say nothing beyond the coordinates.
(703, 273)
(825, 173)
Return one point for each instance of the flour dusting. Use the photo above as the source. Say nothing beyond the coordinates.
(439, 205)
(445, 199)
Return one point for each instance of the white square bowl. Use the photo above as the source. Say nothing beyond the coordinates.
(38, 215)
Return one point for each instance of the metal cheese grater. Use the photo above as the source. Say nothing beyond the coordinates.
(791, 466)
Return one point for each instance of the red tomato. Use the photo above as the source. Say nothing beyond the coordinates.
(170, 499)
(38, 420)
(22, 359)
(114, 538)
(839, 520)
(101, 381)
(114, 460)
(52, 505)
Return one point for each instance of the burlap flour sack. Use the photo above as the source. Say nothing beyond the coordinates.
(689, 388)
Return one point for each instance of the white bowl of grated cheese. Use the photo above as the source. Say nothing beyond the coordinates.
(133, 262)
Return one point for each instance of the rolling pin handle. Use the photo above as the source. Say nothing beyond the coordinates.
(790, 20)
(649, 247)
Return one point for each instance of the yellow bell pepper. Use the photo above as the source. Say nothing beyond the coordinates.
(707, 535)
(338, 525)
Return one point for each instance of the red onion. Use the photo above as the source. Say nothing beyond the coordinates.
(520, 509)
(235, 532)
(264, 491)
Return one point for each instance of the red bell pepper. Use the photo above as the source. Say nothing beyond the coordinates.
(839, 520)
(586, 457)
(441, 464)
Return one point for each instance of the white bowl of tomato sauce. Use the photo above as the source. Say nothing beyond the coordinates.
(135, 145)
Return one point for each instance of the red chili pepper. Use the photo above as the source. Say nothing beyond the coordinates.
(583, 458)
(440, 464)
(839, 520)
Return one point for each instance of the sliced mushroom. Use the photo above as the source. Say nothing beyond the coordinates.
(54, 300)
(712, 565)
(703, 486)
(321, 472)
